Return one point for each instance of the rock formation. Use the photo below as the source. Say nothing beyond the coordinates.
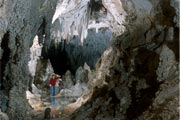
(136, 77)
(20, 22)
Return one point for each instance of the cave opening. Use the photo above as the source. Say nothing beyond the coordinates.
(125, 83)
(67, 60)
(69, 56)
(58, 59)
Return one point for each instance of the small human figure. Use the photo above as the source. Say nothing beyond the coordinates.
(52, 84)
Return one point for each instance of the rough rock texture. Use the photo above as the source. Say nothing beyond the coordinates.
(20, 21)
(165, 105)
(137, 77)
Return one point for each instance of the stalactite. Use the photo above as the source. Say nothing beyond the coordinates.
(74, 20)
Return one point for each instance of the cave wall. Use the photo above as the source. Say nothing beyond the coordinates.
(20, 21)
(137, 77)
(126, 71)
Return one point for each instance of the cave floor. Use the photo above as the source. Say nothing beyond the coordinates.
(61, 110)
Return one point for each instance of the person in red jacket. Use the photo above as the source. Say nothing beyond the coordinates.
(52, 84)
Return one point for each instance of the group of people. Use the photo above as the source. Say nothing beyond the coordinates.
(55, 80)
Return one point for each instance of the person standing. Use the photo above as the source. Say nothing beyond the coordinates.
(52, 84)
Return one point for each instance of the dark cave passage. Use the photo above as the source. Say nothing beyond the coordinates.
(59, 62)
(70, 56)
(5, 58)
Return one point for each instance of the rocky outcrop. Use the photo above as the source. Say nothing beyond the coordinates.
(137, 77)
(20, 21)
